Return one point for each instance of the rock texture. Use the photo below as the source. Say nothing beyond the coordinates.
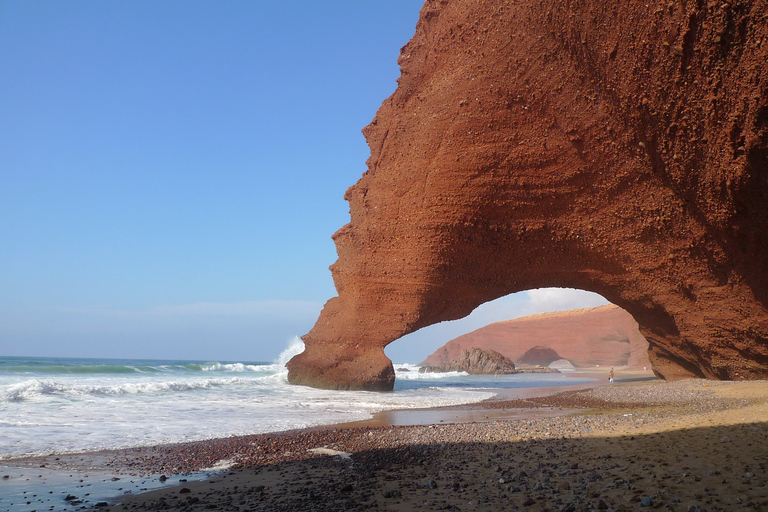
(474, 361)
(617, 147)
(605, 336)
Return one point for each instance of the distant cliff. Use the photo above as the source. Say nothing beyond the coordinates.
(605, 336)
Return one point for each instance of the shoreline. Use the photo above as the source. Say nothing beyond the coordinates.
(99, 459)
(45, 480)
(543, 414)
(663, 445)
(484, 410)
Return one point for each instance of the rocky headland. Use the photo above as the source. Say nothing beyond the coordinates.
(616, 147)
(474, 361)
(602, 336)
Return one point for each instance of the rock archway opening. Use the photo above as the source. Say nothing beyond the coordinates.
(419, 345)
(533, 329)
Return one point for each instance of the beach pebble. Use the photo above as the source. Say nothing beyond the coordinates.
(646, 502)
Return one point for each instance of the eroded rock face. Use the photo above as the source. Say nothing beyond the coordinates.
(602, 336)
(617, 147)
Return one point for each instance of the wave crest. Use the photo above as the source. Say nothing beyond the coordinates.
(34, 388)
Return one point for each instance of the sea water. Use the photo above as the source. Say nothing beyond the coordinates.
(55, 405)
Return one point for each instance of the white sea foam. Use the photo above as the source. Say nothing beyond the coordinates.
(408, 371)
(34, 388)
(295, 347)
(235, 367)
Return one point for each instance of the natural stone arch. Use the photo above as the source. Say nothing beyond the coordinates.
(620, 148)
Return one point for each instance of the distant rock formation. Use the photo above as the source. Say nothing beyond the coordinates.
(615, 147)
(562, 365)
(539, 356)
(474, 361)
(602, 336)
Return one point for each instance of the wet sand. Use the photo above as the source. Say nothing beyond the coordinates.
(632, 446)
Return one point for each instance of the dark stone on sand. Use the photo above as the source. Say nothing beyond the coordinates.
(163, 478)
(646, 502)
(70, 497)
(185, 490)
(527, 502)
(6, 477)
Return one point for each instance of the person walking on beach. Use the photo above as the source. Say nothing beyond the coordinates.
(610, 376)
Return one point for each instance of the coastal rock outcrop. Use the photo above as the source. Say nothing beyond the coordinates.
(616, 147)
(601, 336)
(474, 361)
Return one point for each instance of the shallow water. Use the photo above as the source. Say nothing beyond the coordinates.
(27, 489)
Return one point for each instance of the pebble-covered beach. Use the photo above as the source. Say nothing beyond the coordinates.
(688, 445)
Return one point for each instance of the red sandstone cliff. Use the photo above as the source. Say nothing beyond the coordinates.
(617, 147)
(603, 336)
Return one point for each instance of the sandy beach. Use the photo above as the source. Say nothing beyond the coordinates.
(687, 445)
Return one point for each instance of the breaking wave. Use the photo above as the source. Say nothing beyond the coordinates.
(33, 388)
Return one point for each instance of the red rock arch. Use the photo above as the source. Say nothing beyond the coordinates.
(616, 147)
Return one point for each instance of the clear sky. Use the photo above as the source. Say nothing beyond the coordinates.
(171, 172)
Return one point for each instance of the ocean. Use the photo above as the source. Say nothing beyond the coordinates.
(60, 405)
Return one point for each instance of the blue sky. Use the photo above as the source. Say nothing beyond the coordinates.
(171, 172)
